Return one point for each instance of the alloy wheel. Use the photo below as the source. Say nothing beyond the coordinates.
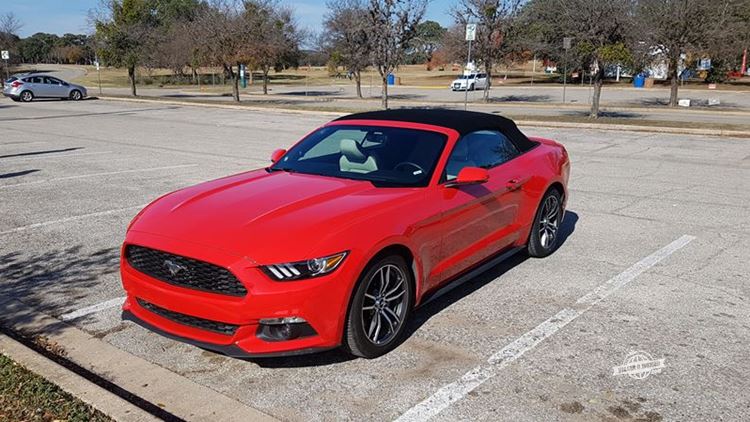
(27, 96)
(550, 222)
(385, 304)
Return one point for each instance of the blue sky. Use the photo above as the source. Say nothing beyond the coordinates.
(61, 16)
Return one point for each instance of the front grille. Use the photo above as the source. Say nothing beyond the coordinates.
(184, 272)
(191, 321)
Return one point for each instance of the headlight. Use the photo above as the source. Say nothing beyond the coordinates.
(304, 269)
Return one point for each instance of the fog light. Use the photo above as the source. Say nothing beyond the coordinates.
(283, 329)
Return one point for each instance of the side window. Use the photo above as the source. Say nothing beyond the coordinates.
(51, 81)
(37, 80)
(485, 148)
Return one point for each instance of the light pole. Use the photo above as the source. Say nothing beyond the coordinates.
(471, 35)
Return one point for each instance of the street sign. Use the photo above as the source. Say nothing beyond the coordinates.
(567, 41)
(5, 55)
(471, 31)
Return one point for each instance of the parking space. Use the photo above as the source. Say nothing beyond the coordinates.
(72, 175)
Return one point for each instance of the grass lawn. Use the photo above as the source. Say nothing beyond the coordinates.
(25, 396)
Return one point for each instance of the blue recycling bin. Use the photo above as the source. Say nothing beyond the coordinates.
(639, 80)
(391, 79)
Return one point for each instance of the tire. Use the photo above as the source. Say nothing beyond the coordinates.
(364, 332)
(471, 88)
(27, 96)
(76, 95)
(544, 236)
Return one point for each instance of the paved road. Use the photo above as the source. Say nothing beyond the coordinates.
(73, 174)
(514, 103)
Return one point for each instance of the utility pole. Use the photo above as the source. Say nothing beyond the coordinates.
(99, 73)
(566, 45)
(471, 35)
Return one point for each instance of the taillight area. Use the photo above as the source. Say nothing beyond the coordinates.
(16, 84)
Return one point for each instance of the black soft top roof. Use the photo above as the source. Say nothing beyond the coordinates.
(461, 121)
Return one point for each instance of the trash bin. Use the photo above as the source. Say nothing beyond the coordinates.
(639, 80)
(398, 80)
(648, 83)
(391, 79)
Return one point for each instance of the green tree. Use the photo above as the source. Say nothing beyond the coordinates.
(429, 38)
(125, 30)
(38, 47)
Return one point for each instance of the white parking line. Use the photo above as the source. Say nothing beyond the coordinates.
(455, 391)
(93, 309)
(109, 173)
(74, 218)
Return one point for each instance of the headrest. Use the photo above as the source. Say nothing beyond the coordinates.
(351, 151)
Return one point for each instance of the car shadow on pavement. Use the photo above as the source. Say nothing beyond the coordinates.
(49, 151)
(521, 99)
(18, 173)
(423, 313)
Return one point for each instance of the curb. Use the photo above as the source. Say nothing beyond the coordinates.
(72, 383)
(137, 381)
(527, 123)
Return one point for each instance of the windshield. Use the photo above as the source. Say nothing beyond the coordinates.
(467, 77)
(385, 156)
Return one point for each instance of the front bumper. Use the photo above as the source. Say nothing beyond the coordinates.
(321, 301)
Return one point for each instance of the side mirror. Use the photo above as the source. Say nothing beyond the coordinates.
(469, 176)
(276, 155)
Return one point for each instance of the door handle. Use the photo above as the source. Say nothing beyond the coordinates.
(515, 183)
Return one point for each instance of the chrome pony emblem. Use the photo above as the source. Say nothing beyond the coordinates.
(173, 267)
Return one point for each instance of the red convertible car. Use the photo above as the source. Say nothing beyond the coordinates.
(346, 233)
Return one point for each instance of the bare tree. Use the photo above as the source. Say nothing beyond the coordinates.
(347, 37)
(223, 38)
(673, 28)
(9, 27)
(601, 31)
(393, 26)
(275, 38)
(494, 19)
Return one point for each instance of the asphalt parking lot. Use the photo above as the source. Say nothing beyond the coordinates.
(72, 175)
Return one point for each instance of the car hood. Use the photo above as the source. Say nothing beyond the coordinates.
(264, 216)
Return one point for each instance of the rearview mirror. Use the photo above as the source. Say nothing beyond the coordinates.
(276, 155)
(469, 176)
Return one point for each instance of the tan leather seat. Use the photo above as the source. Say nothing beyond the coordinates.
(354, 160)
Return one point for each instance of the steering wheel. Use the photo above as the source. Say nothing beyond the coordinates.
(404, 164)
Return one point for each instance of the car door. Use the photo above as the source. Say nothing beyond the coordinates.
(479, 220)
(482, 80)
(35, 85)
(55, 87)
